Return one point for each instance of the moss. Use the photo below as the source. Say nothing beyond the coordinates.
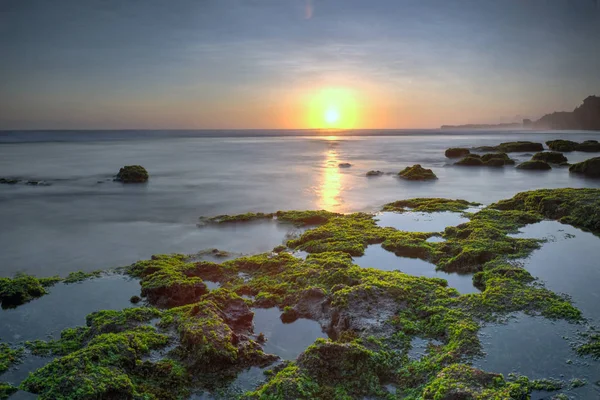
(304, 218)
(577, 207)
(590, 168)
(9, 356)
(23, 288)
(104, 368)
(591, 347)
(247, 217)
(81, 276)
(6, 390)
(455, 152)
(417, 173)
(562, 145)
(132, 174)
(576, 382)
(71, 339)
(428, 205)
(534, 165)
(550, 157)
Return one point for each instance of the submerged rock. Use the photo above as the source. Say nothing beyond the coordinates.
(535, 165)
(374, 173)
(8, 181)
(344, 165)
(513, 147)
(132, 174)
(417, 173)
(550, 157)
(455, 152)
(589, 167)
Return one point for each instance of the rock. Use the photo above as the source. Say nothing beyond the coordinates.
(496, 160)
(590, 168)
(562, 145)
(534, 165)
(590, 146)
(455, 152)
(417, 173)
(132, 174)
(374, 173)
(344, 165)
(135, 299)
(8, 181)
(550, 157)
(513, 147)
(472, 160)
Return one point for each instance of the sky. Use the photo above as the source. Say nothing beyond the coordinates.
(292, 64)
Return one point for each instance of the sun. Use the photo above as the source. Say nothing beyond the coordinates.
(333, 108)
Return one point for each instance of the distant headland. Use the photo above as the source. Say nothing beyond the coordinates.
(584, 117)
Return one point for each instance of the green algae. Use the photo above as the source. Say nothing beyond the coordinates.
(417, 173)
(591, 347)
(299, 218)
(428, 205)
(23, 288)
(6, 390)
(247, 217)
(9, 356)
(80, 276)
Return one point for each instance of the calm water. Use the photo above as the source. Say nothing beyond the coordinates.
(84, 221)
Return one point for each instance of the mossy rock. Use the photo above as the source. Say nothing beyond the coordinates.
(456, 152)
(562, 145)
(7, 390)
(417, 173)
(590, 168)
(132, 174)
(374, 173)
(552, 157)
(472, 160)
(513, 147)
(23, 288)
(344, 165)
(534, 165)
(590, 146)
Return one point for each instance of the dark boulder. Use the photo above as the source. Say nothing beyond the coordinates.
(590, 146)
(562, 145)
(344, 165)
(374, 173)
(456, 152)
(590, 168)
(417, 173)
(472, 160)
(552, 157)
(132, 174)
(534, 165)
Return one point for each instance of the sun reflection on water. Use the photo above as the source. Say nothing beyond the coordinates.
(331, 181)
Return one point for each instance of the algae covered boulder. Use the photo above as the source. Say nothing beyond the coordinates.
(132, 174)
(562, 145)
(472, 160)
(590, 146)
(344, 165)
(417, 173)
(534, 165)
(552, 157)
(589, 168)
(22, 289)
(456, 152)
(513, 147)
(374, 173)
(496, 159)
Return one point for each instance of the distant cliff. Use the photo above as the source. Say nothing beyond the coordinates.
(515, 125)
(584, 117)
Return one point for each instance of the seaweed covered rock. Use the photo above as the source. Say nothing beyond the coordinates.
(496, 159)
(132, 174)
(562, 145)
(590, 168)
(374, 173)
(462, 382)
(7, 390)
(417, 173)
(428, 205)
(9, 356)
(514, 147)
(472, 160)
(456, 152)
(590, 146)
(552, 157)
(534, 165)
(23, 288)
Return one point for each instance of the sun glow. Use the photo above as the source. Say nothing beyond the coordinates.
(333, 108)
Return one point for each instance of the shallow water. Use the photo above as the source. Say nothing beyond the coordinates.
(420, 221)
(377, 257)
(78, 223)
(285, 340)
(66, 306)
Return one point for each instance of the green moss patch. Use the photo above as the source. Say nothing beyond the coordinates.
(417, 173)
(23, 288)
(428, 205)
(7, 390)
(81, 276)
(9, 356)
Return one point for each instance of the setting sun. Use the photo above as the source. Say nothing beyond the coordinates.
(333, 108)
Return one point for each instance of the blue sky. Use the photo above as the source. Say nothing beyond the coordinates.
(103, 64)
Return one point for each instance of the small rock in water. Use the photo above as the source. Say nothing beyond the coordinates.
(344, 165)
(132, 174)
(374, 173)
